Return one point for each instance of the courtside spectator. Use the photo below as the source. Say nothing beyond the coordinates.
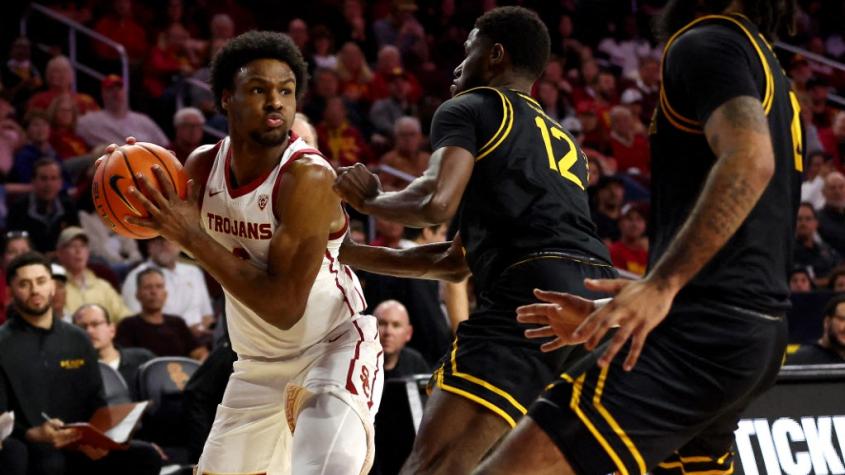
(83, 285)
(120, 25)
(95, 321)
(395, 331)
(188, 125)
(830, 348)
(811, 251)
(164, 335)
(60, 78)
(187, 294)
(832, 216)
(116, 121)
(800, 281)
(48, 368)
(63, 117)
(45, 211)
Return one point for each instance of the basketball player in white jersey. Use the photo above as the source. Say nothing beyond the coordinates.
(262, 218)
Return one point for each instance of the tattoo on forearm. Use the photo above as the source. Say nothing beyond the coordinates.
(746, 113)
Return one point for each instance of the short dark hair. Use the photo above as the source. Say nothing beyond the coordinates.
(91, 305)
(44, 162)
(835, 274)
(830, 308)
(27, 259)
(523, 35)
(146, 272)
(808, 205)
(254, 45)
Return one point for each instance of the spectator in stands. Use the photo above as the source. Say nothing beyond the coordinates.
(222, 28)
(45, 211)
(407, 155)
(811, 252)
(172, 58)
(340, 141)
(354, 74)
(303, 128)
(648, 83)
(298, 32)
(323, 45)
(15, 244)
(836, 282)
(389, 61)
(188, 125)
(326, 86)
(116, 121)
(63, 137)
(395, 331)
(830, 348)
(595, 133)
(388, 233)
(632, 99)
(83, 285)
(60, 79)
(552, 101)
(631, 150)
(818, 166)
(38, 146)
(630, 252)
(800, 281)
(187, 293)
(49, 366)
(20, 78)
(819, 90)
(95, 321)
(610, 196)
(120, 25)
(833, 139)
(357, 232)
(60, 295)
(164, 335)
(800, 72)
(385, 112)
(832, 216)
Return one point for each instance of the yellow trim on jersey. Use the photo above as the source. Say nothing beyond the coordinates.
(483, 383)
(472, 397)
(506, 125)
(729, 471)
(573, 404)
(567, 378)
(615, 425)
(668, 465)
(704, 458)
(692, 126)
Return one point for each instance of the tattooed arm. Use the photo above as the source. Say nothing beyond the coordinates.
(738, 134)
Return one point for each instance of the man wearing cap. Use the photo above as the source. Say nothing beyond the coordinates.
(630, 252)
(187, 123)
(115, 122)
(60, 293)
(83, 285)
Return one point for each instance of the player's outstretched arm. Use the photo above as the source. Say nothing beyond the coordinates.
(738, 134)
(438, 261)
(429, 200)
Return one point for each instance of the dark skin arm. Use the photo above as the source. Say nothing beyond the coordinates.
(438, 261)
(738, 133)
(429, 200)
(308, 212)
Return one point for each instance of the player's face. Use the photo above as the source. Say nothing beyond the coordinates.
(32, 290)
(474, 69)
(836, 328)
(263, 102)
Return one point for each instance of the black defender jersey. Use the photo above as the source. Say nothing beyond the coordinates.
(527, 190)
(710, 61)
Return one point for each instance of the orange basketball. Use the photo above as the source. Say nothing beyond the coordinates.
(118, 172)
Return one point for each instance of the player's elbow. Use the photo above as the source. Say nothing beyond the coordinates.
(456, 276)
(762, 166)
(438, 210)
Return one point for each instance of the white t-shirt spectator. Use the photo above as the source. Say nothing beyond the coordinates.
(101, 127)
(187, 295)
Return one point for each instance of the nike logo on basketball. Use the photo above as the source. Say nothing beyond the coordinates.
(113, 180)
(212, 193)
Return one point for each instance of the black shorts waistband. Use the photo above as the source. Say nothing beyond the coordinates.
(553, 254)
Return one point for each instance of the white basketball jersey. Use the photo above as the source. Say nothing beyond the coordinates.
(242, 220)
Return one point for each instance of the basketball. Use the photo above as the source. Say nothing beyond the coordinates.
(118, 172)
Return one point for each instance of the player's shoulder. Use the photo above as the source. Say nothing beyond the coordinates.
(199, 162)
(312, 168)
(713, 37)
(478, 98)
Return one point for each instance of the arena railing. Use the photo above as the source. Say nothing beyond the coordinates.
(817, 58)
(75, 28)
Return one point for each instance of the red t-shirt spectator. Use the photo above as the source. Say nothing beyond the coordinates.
(631, 155)
(131, 35)
(628, 258)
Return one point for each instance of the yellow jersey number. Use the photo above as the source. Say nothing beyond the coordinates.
(563, 165)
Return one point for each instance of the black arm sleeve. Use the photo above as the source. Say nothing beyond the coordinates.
(466, 121)
(707, 67)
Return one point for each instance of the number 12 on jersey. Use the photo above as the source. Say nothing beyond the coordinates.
(564, 165)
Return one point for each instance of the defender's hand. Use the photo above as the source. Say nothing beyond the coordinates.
(559, 317)
(356, 185)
